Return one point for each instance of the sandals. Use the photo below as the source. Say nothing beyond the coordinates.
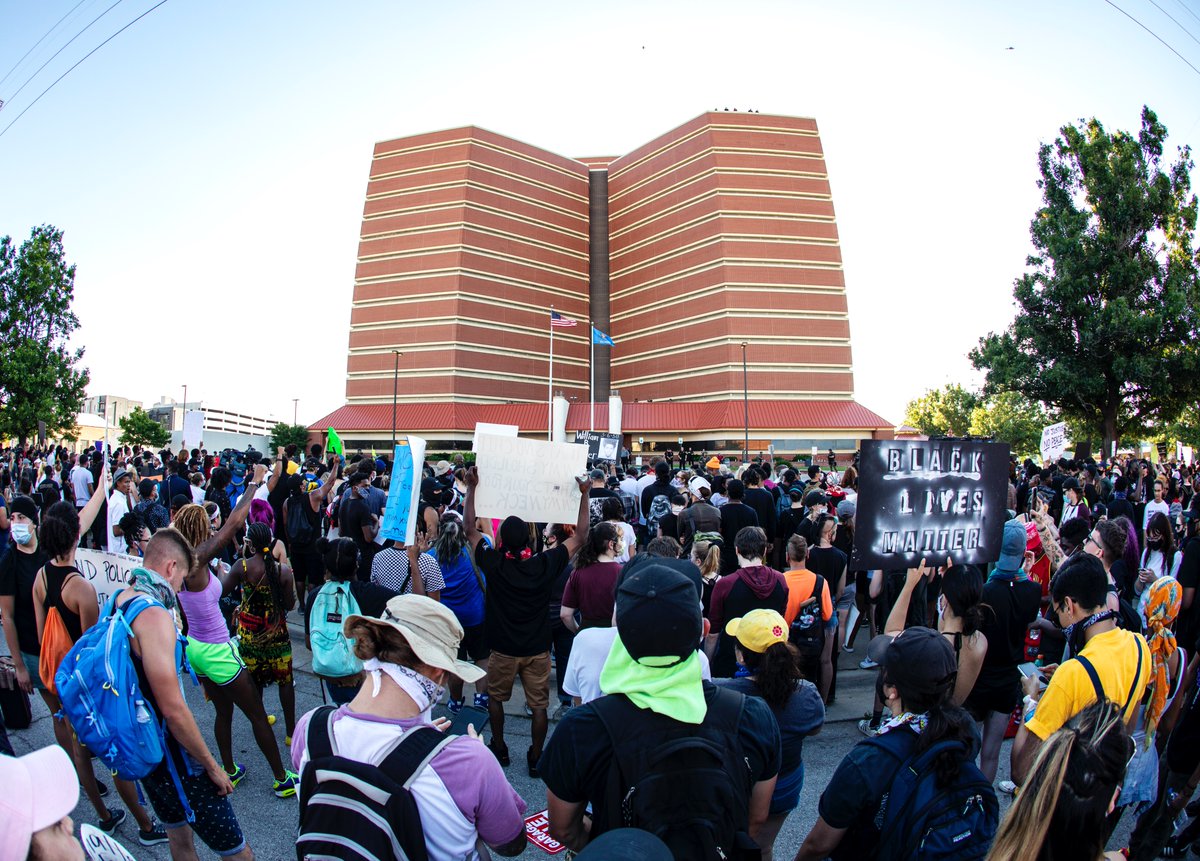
(501, 753)
(532, 762)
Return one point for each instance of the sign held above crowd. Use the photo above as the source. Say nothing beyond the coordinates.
(531, 479)
(1054, 441)
(601, 446)
(930, 500)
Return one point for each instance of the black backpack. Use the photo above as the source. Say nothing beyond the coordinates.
(807, 632)
(339, 819)
(923, 821)
(48, 493)
(300, 529)
(689, 785)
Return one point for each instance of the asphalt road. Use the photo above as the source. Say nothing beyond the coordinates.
(269, 823)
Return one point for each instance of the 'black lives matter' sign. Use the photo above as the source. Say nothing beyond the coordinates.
(930, 500)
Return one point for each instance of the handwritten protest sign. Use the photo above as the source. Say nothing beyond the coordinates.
(930, 499)
(494, 430)
(531, 479)
(108, 572)
(404, 491)
(99, 846)
(537, 831)
(601, 446)
(1054, 441)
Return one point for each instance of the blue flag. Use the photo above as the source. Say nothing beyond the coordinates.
(599, 337)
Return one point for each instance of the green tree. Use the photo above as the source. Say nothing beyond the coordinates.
(284, 434)
(942, 412)
(1009, 417)
(138, 428)
(40, 377)
(1107, 317)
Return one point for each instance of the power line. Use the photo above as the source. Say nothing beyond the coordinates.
(84, 57)
(39, 41)
(1177, 24)
(63, 48)
(1148, 30)
(1188, 9)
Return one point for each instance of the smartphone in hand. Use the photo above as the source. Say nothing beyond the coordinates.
(468, 716)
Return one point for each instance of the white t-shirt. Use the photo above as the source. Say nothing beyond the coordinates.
(1154, 560)
(81, 478)
(1151, 508)
(589, 651)
(197, 494)
(118, 507)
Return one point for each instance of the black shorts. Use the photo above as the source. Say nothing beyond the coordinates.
(215, 822)
(998, 693)
(474, 646)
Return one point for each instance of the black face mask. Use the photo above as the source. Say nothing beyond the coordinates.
(1155, 544)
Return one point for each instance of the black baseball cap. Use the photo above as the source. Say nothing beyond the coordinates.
(917, 659)
(658, 614)
(815, 497)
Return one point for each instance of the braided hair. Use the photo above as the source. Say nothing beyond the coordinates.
(260, 539)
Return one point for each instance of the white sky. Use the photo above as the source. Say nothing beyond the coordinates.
(209, 165)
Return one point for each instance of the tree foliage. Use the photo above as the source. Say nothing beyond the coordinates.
(40, 377)
(1107, 315)
(942, 412)
(138, 428)
(1009, 417)
(284, 434)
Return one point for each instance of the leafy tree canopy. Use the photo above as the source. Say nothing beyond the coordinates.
(1109, 312)
(284, 434)
(40, 377)
(942, 412)
(1009, 417)
(138, 428)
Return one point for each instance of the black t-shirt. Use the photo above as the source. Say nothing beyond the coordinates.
(657, 488)
(596, 497)
(764, 506)
(355, 515)
(578, 756)
(1183, 752)
(18, 570)
(734, 517)
(1186, 628)
(518, 596)
(829, 562)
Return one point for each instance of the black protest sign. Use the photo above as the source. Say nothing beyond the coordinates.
(601, 446)
(930, 500)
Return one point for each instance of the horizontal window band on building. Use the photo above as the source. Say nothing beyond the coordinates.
(715, 184)
(457, 371)
(727, 315)
(456, 271)
(485, 253)
(481, 143)
(723, 290)
(815, 167)
(464, 224)
(729, 341)
(470, 296)
(469, 185)
(723, 263)
(704, 129)
(773, 369)
(718, 240)
(710, 215)
(489, 350)
(471, 206)
(723, 212)
(736, 395)
(620, 224)
(710, 169)
(481, 167)
(461, 229)
(489, 326)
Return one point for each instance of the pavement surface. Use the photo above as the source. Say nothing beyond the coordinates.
(269, 823)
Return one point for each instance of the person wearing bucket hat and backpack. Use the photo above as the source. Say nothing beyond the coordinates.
(912, 790)
(378, 773)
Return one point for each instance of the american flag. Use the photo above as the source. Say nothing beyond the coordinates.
(559, 321)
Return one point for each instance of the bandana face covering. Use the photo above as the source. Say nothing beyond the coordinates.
(424, 692)
(1074, 632)
(152, 583)
(673, 688)
(916, 723)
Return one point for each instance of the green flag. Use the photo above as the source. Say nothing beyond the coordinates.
(333, 442)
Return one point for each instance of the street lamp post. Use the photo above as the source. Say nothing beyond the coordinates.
(745, 407)
(295, 409)
(395, 393)
(184, 408)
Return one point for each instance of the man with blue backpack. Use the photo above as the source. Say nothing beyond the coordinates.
(912, 791)
(120, 687)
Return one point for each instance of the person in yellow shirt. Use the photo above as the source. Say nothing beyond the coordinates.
(1108, 661)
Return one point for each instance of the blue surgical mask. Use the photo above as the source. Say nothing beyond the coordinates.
(22, 533)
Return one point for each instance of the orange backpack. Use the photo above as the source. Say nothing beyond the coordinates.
(56, 642)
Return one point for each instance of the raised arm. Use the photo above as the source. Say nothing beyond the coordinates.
(206, 551)
(87, 515)
(899, 614)
(583, 521)
(471, 478)
(279, 469)
(317, 497)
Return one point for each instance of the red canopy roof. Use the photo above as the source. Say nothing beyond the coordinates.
(636, 417)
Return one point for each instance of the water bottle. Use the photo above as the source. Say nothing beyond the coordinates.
(142, 713)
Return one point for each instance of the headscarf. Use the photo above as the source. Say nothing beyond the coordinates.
(1166, 596)
(152, 583)
(676, 690)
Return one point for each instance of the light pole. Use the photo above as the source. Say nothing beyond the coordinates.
(745, 406)
(184, 408)
(395, 392)
(295, 409)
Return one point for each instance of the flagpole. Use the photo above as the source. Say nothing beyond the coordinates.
(592, 389)
(550, 384)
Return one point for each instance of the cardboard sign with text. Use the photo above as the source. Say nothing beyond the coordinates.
(528, 478)
(537, 831)
(1054, 441)
(108, 572)
(404, 492)
(930, 499)
(601, 446)
(494, 430)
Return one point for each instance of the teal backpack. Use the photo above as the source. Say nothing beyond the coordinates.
(332, 652)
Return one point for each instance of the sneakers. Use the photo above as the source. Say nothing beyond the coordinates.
(864, 726)
(110, 825)
(455, 706)
(528, 710)
(157, 834)
(286, 788)
(1174, 849)
(563, 708)
(1007, 787)
(500, 752)
(235, 776)
(481, 701)
(867, 664)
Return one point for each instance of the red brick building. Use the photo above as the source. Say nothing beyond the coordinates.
(719, 234)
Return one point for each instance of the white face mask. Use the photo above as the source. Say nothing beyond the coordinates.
(676, 509)
(22, 533)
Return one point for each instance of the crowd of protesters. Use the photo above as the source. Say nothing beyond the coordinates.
(688, 626)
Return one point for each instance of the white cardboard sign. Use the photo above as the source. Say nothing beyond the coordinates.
(1054, 441)
(528, 478)
(494, 430)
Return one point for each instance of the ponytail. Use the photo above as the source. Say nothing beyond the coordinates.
(775, 672)
(451, 540)
(709, 554)
(260, 539)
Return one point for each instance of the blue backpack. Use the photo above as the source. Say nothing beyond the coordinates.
(98, 686)
(928, 822)
(332, 652)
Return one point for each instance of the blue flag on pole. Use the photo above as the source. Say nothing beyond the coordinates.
(599, 337)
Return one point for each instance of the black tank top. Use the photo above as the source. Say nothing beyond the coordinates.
(57, 577)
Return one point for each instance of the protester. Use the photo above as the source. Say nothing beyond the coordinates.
(774, 675)
(706, 555)
(518, 628)
(120, 502)
(590, 587)
(463, 588)
(810, 593)
(462, 796)
(1160, 558)
(658, 702)
(39, 795)
(18, 571)
(735, 516)
(754, 586)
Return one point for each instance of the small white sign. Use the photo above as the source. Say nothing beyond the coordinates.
(1054, 441)
(494, 430)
